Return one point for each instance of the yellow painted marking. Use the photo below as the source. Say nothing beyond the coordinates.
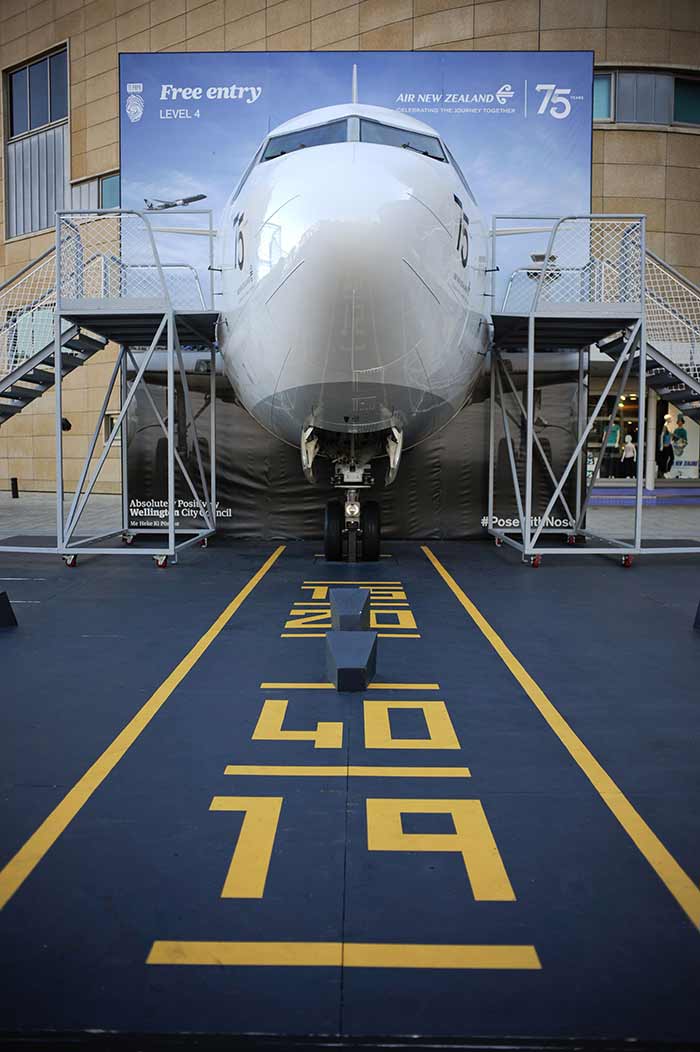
(33, 851)
(400, 619)
(251, 860)
(309, 617)
(345, 955)
(684, 891)
(472, 839)
(441, 733)
(322, 635)
(330, 686)
(343, 771)
(303, 635)
(269, 728)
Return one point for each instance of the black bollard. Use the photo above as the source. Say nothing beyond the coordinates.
(14, 484)
(7, 614)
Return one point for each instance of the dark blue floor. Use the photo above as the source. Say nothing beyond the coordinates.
(145, 859)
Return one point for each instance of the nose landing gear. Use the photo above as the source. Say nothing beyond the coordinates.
(352, 530)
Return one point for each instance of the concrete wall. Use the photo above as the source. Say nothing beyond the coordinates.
(636, 169)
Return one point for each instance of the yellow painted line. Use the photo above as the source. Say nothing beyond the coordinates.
(345, 955)
(344, 771)
(303, 635)
(33, 851)
(331, 686)
(322, 635)
(684, 891)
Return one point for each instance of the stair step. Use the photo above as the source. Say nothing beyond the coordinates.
(21, 394)
(84, 343)
(44, 377)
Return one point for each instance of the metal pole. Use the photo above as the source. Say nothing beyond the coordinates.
(58, 388)
(212, 433)
(171, 434)
(579, 429)
(124, 441)
(492, 437)
(528, 430)
(642, 395)
(652, 400)
(211, 262)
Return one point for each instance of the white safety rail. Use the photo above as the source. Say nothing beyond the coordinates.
(591, 264)
(673, 316)
(27, 305)
(110, 261)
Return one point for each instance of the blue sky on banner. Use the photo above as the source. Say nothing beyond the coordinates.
(518, 123)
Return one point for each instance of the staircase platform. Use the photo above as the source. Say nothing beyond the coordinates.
(135, 325)
(571, 329)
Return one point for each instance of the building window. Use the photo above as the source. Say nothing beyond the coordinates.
(686, 101)
(38, 94)
(644, 98)
(603, 97)
(110, 191)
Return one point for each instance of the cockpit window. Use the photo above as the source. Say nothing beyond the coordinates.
(323, 135)
(384, 135)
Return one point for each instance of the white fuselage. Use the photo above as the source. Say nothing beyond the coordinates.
(353, 285)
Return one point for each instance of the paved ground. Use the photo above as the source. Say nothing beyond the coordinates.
(33, 514)
(499, 838)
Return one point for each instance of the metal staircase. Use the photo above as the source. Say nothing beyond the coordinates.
(594, 285)
(27, 331)
(672, 316)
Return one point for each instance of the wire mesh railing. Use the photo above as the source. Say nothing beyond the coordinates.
(591, 262)
(111, 258)
(27, 306)
(672, 310)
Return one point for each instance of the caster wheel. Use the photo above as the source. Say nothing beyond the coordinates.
(535, 561)
(498, 541)
(627, 561)
(203, 542)
(70, 560)
(371, 531)
(128, 539)
(333, 531)
(161, 561)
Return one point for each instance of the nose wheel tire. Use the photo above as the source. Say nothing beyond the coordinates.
(371, 531)
(333, 531)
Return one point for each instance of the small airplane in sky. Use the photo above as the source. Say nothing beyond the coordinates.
(157, 205)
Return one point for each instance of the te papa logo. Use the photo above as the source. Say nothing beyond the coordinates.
(134, 102)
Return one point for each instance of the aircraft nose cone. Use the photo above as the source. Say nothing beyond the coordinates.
(366, 255)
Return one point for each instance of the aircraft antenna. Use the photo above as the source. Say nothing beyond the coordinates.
(354, 82)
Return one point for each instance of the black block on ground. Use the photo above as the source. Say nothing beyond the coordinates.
(697, 620)
(350, 609)
(351, 659)
(7, 614)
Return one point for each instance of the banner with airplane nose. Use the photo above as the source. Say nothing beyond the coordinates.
(517, 126)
